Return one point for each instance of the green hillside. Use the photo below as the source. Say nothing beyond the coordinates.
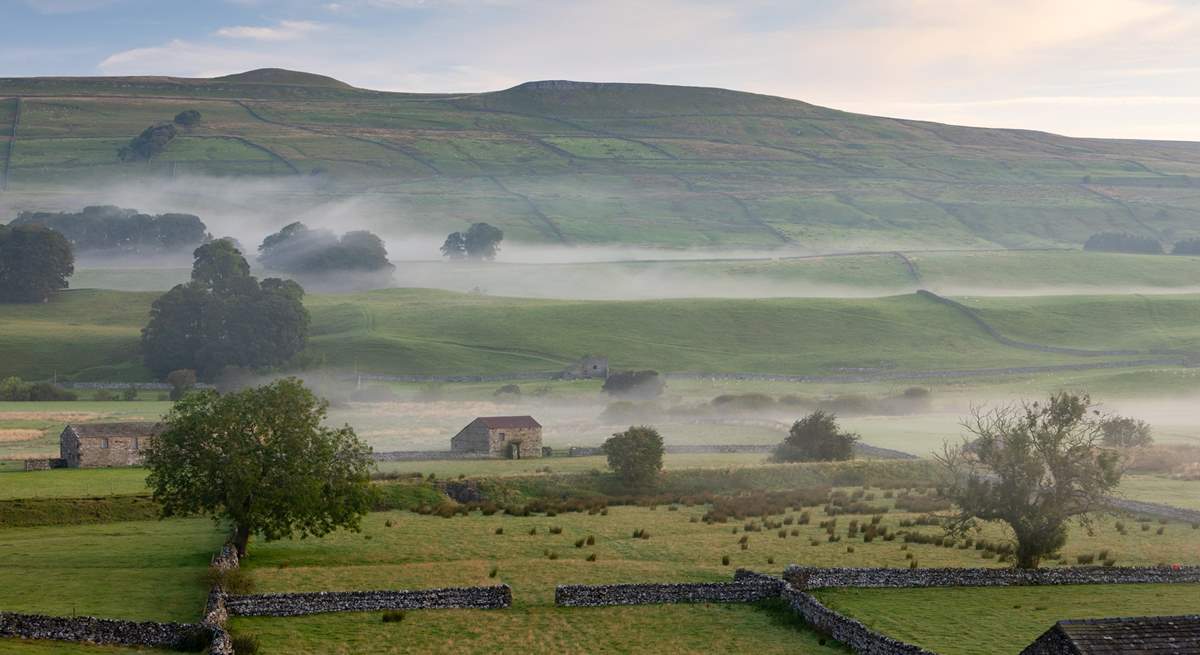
(90, 334)
(571, 162)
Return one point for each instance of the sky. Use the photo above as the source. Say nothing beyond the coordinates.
(1101, 68)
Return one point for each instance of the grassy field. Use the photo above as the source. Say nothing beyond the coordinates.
(137, 570)
(32, 429)
(1157, 489)
(982, 621)
(93, 334)
(674, 166)
(404, 550)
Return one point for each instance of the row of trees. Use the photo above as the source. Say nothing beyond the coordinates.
(298, 250)
(1141, 245)
(113, 230)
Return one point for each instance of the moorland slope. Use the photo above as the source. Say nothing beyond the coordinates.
(580, 162)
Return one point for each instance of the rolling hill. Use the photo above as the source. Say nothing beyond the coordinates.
(93, 334)
(580, 162)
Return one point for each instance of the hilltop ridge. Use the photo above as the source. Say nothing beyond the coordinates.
(574, 162)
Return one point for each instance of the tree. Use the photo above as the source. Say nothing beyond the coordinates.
(480, 241)
(149, 144)
(455, 246)
(262, 460)
(224, 318)
(35, 261)
(187, 118)
(1125, 432)
(1035, 467)
(1187, 247)
(634, 384)
(816, 438)
(635, 455)
(181, 380)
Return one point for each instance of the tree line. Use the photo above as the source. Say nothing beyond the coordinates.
(1139, 245)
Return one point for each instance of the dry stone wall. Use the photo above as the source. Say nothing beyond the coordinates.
(856, 636)
(102, 631)
(739, 591)
(807, 577)
(299, 604)
(1155, 509)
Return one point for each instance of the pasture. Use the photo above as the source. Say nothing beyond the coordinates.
(91, 334)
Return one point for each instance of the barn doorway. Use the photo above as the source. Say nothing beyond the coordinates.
(514, 450)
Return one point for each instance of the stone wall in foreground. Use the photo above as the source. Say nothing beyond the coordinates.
(856, 636)
(102, 631)
(739, 591)
(298, 604)
(808, 577)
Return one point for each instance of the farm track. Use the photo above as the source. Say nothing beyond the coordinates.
(12, 144)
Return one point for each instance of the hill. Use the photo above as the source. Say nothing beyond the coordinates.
(89, 334)
(581, 162)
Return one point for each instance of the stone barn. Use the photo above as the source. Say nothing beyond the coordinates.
(95, 445)
(587, 368)
(514, 437)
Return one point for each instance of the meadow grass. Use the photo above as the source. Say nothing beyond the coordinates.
(137, 570)
(985, 620)
(1160, 489)
(402, 550)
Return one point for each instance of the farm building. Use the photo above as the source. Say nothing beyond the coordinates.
(106, 444)
(514, 437)
(587, 368)
(1149, 634)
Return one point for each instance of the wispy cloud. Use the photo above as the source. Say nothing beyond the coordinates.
(287, 30)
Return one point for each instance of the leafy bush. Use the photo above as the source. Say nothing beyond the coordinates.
(149, 144)
(634, 384)
(187, 118)
(816, 437)
(393, 616)
(15, 389)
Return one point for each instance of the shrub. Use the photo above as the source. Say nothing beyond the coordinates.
(816, 437)
(1125, 432)
(391, 616)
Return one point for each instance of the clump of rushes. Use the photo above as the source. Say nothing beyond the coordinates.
(579, 543)
(591, 540)
(556, 529)
(387, 523)
(499, 530)
(592, 557)
(724, 560)
(495, 570)
(393, 616)
(533, 530)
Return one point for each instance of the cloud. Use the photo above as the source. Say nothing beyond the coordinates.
(287, 30)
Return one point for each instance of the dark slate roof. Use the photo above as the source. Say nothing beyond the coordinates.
(507, 422)
(106, 430)
(1138, 635)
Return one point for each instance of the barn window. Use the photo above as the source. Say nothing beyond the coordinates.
(501, 435)
(135, 443)
(104, 443)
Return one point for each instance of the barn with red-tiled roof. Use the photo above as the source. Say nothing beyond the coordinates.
(514, 437)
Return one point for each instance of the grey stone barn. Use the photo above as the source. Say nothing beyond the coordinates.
(514, 437)
(1145, 635)
(95, 445)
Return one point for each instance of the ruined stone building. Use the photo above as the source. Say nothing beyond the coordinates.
(106, 444)
(514, 437)
(587, 368)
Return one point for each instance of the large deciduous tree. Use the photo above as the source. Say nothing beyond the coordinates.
(35, 261)
(1034, 466)
(224, 318)
(635, 455)
(262, 460)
